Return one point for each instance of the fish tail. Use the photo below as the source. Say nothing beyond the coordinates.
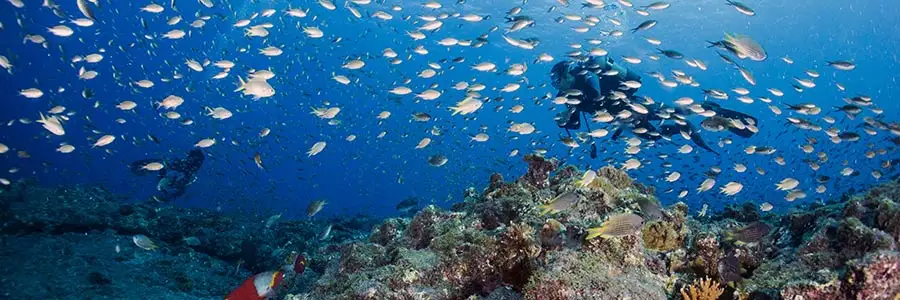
(545, 209)
(728, 236)
(594, 233)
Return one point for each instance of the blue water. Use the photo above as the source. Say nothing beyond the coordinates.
(371, 175)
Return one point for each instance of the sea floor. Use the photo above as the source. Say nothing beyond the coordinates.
(509, 239)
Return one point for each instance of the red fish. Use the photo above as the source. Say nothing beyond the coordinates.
(267, 284)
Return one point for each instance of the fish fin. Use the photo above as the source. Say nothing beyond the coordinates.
(241, 84)
(594, 233)
(728, 236)
(546, 209)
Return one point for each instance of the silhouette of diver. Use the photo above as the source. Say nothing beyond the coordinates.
(174, 177)
(601, 83)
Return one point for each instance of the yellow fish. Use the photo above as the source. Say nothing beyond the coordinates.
(562, 202)
(616, 226)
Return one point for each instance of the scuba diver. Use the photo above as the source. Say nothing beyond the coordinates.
(174, 177)
(602, 86)
(271, 284)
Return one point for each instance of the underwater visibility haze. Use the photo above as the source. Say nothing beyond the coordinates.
(449, 149)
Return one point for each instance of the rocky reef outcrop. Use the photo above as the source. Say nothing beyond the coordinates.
(500, 243)
(526, 238)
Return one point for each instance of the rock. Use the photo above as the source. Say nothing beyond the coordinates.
(539, 169)
(827, 291)
(663, 236)
(583, 275)
(876, 276)
(89, 266)
(86, 225)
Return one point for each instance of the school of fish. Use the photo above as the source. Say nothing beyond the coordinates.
(451, 70)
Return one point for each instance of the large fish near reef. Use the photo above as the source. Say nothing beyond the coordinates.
(270, 284)
(561, 202)
(315, 207)
(617, 226)
(750, 234)
(729, 268)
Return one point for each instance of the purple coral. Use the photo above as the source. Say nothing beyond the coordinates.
(707, 254)
(421, 229)
(877, 276)
(539, 168)
(496, 181)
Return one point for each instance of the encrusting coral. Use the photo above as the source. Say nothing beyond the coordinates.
(498, 243)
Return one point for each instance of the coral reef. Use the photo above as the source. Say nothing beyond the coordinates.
(836, 251)
(496, 244)
(539, 169)
(571, 274)
(669, 232)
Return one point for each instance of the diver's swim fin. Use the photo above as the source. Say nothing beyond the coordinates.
(698, 140)
(616, 134)
(593, 150)
(670, 130)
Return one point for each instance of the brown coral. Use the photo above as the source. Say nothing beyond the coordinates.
(616, 177)
(517, 247)
(811, 290)
(421, 229)
(569, 275)
(551, 234)
(703, 289)
(387, 232)
(887, 217)
(705, 254)
(662, 236)
(539, 168)
(877, 276)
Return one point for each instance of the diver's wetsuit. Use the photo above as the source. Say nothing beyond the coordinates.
(592, 87)
(175, 176)
(596, 91)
